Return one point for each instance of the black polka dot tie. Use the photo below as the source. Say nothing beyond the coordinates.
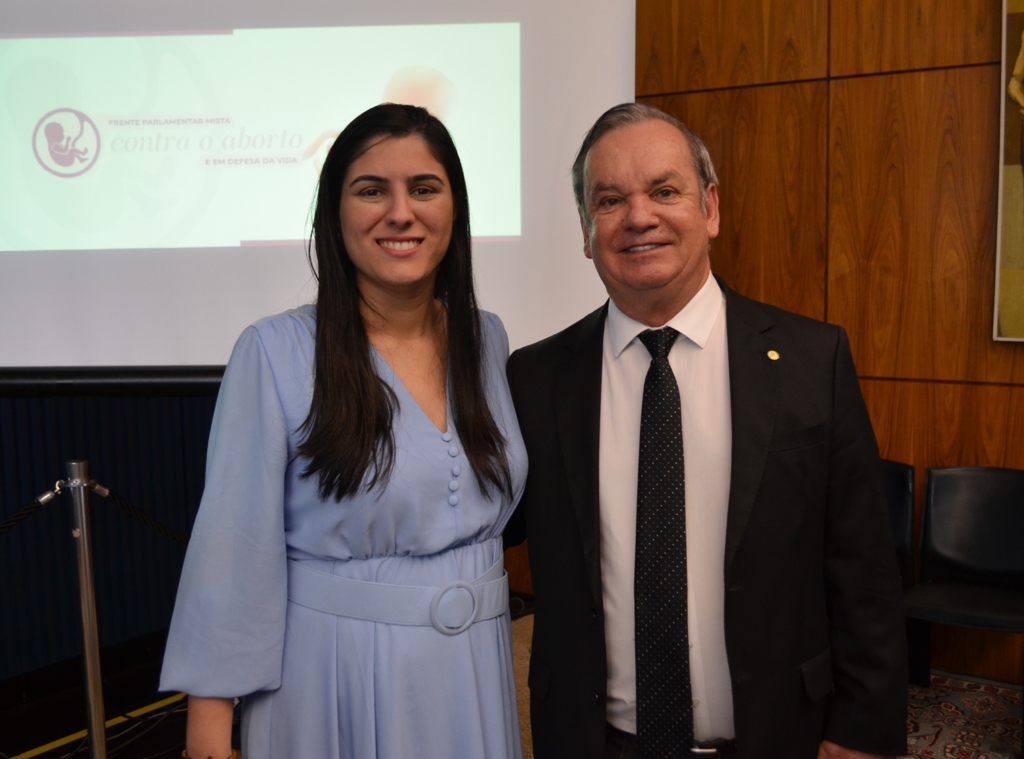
(664, 709)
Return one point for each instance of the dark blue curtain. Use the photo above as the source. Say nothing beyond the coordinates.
(150, 451)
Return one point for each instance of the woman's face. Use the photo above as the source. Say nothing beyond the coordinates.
(396, 215)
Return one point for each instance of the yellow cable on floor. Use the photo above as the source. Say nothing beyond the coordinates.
(110, 723)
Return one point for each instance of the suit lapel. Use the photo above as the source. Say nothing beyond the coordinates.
(578, 414)
(755, 382)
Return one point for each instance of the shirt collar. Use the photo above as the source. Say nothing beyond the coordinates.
(694, 322)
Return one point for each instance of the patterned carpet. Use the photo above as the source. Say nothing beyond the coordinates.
(951, 719)
(964, 719)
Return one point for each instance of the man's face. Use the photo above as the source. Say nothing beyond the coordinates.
(647, 234)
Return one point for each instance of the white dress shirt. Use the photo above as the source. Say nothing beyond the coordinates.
(700, 362)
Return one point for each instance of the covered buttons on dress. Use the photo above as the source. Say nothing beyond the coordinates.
(453, 484)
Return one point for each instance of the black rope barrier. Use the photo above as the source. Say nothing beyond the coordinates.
(140, 517)
(126, 506)
(21, 514)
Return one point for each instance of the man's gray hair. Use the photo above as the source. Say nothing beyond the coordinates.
(627, 114)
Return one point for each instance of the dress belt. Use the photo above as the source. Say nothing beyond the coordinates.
(449, 609)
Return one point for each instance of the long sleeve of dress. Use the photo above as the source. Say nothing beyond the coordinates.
(227, 632)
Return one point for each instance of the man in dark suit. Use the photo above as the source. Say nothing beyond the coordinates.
(790, 603)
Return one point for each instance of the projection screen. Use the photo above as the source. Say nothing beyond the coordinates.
(158, 162)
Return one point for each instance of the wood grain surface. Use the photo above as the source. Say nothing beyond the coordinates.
(932, 424)
(992, 655)
(768, 145)
(687, 45)
(517, 564)
(878, 36)
(913, 171)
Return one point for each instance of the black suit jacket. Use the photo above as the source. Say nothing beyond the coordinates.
(813, 607)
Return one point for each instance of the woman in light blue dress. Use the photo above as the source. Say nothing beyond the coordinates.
(344, 576)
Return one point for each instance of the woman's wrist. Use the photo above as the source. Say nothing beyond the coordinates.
(208, 733)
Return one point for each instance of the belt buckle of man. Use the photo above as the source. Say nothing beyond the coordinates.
(715, 747)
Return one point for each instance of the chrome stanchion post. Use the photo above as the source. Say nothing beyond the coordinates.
(78, 483)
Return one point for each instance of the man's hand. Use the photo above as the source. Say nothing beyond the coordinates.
(830, 750)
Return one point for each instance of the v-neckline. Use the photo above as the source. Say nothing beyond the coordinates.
(398, 381)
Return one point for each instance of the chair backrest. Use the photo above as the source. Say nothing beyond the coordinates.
(973, 526)
(899, 495)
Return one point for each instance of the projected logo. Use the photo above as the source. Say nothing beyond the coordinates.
(66, 142)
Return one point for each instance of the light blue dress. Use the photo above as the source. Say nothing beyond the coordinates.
(316, 685)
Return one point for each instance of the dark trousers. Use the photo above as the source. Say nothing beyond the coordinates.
(619, 744)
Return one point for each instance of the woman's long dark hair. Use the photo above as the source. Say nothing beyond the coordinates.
(348, 434)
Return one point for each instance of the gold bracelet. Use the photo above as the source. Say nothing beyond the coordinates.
(235, 754)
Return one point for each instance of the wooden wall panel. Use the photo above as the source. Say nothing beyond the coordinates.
(913, 171)
(769, 149)
(517, 564)
(992, 655)
(878, 36)
(687, 45)
(932, 424)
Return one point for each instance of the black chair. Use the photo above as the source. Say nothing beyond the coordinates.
(971, 566)
(899, 495)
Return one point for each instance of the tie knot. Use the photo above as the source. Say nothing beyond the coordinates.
(658, 342)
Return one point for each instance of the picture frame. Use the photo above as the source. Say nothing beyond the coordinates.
(1008, 317)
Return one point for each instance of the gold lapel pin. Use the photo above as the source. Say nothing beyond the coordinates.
(773, 355)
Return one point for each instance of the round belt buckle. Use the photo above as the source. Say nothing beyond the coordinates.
(435, 607)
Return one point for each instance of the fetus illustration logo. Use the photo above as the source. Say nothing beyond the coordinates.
(66, 142)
